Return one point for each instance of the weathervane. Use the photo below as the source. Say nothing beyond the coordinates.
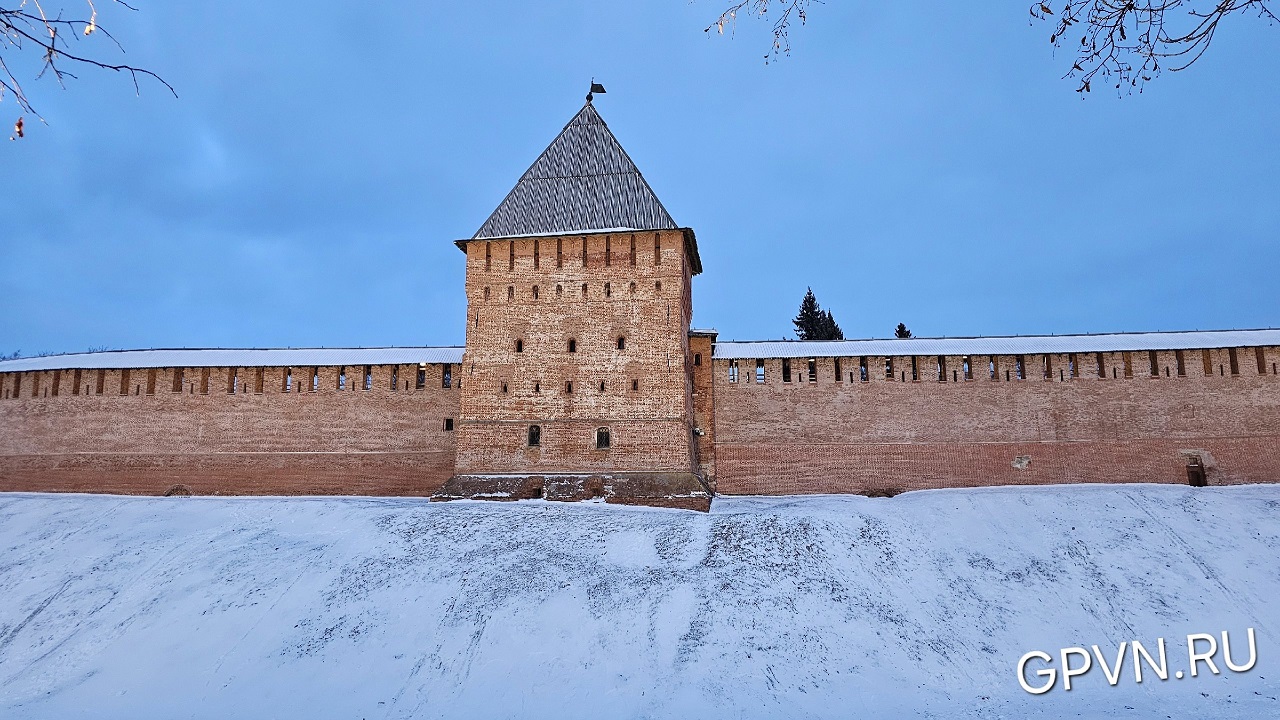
(595, 88)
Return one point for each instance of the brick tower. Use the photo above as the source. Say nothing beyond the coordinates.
(578, 377)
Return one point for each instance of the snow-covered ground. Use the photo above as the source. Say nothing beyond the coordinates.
(832, 607)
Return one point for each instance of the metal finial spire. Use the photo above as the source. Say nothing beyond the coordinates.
(595, 88)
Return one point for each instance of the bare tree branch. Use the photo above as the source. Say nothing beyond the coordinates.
(791, 10)
(26, 28)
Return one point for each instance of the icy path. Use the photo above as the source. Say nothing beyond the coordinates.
(838, 607)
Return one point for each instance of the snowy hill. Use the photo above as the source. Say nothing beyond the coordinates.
(816, 607)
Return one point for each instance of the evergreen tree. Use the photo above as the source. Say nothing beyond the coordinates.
(902, 331)
(814, 323)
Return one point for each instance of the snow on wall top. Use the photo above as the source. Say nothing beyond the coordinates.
(271, 357)
(1014, 345)
(583, 181)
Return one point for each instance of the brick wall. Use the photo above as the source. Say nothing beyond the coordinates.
(546, 312)
(889, 435)
(301, 441)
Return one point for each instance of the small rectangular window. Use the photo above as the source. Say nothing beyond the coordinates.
(633, 250)
(421, 381)
(863, 375)
(448, 424)
(1074, 365)
(603, 440)
(259, 380)
(995, 366)
(177, 379)
(888, 368)
(568, 387)
(1154, 361)
(1020, 367)
(915, 369)
(511, 257)
(233, 381)
(286, 382)
(1181, 362)
(1261, 356)
(1048, 367)
(1127, 358)
(786, 370)
(204, 381)
(57, 381)
(151, 382)
(1102, 366)
(124, 381)
(342, 378)
(733, 371)
(635, 385)
(697, 359)
(584, 252)
(839, 375)
(559, 252)
(942, 368)
(535, 436)
(488, 256)
(537, 251)
(368, 377)
(1206, 357)
(968, 367)
(759, 372)
(813, 370)
(315, 379)
(446, 375)
(657, 249)
(395, 377)
(1231, 358)
(608, 251)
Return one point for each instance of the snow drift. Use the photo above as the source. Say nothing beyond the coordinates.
(814, 607)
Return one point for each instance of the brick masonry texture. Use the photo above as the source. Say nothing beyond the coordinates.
(323, 441)
(889, 435)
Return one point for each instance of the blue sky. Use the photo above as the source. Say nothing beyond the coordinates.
(913, 162)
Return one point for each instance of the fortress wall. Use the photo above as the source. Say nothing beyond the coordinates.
(1121, 420)
(228, 430)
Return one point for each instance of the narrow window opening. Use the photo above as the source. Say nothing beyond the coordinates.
(608, 251)
(584, 252)
(1180, 362)
(968, 367)
(1154, 361)
(608, 291)
(863, 375)
(286, 383)
(1006, 374)
(1048, 367)
(1231, 358)
(204, 381)
(888, 368)
(1127, 358)
(559, 291)
(421, 381)
(622, 343)
(632, 288)
(601, 386)
(504, 387)
(1073, 363)
(342, 378)
(603, 441)
(1113, 373)
(124, 382)
(1062, 376)
(657, 249)
(1102, 367)
(537, 387)
(559, 253)
(259, 380)
(75, 381)
(697, 359)
(1166, 371)
(568, 387)
(760, 372)
(635, 385)
(488, 257)
(839, 375)
(511, 292)
(813, 370)
(995, 367)
(786, 370)
(942, 368)
(446, 376)
(733, 371)
(573, 345)
(519, 345)
(177, 379)
(535, 292)
(633, 250)
(915, 369)
(657, 286)
(448, 424)
(1206, 359)
(535, 436)
(537, 255)
(368, 377)
(1020, 367)
(233, 381)
(584, 291)
(395, 378)
(511, 256)
(954, 378)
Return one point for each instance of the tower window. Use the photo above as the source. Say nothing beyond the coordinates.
(368, 377)
(601, 386)
(486, 292)
(342, 378)
(519, 345)
(633, 250)
(535, 292)
(559, 290)
(608, 291)
(177, 379)
(786, 370)
(838, 373)
(511, 257)
(622, 343)
(286, 385)
(448, 424)
(635, 385)
(535, 436)
(395, 378)
(584, 252)
(421, 381)
(568, 387)
(573, 345)
(759, 371)
(536, 254)
(1181, 362)
(511, 292)
(733, 371)
(603, 441)
(813, 370)
(504, 387)
(559, 252)
(657, 249)
(608, 255)
(537, 387)
(657, 286)
(488, 257)
(697, 359)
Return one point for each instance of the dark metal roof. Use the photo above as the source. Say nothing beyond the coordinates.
(583, 182)
(237, 357)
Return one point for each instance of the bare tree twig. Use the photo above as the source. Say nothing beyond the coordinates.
(791, 10)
